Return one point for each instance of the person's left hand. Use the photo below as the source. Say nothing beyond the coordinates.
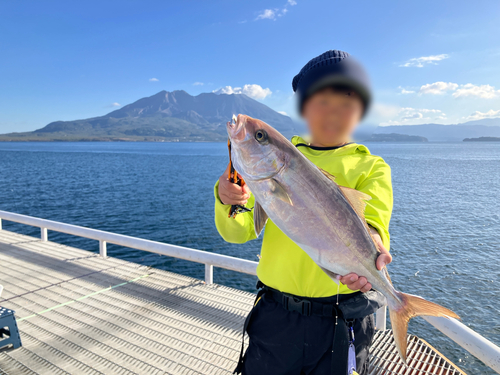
(355, 282)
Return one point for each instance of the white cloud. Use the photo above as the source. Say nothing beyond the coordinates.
(283, 113)
(385, 111)
(381, 112)
(414, 116)
(483, 91)
(404, 91)
(198, 84)
(115, 104)
(437, 88)
(460, 91)
(481, 115)
(253, 91)
(424, 110)
(153, 80)
(272, 14)
(419, 62)
(267, 14)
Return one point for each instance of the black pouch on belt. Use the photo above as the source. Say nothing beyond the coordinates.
(362, 304)
(357, 307)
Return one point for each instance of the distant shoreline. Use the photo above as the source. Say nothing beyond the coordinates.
(359, 141)
(110, 140)
(395, 137)
(482, 139)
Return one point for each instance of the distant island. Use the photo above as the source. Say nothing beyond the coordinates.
(394, 137)
(164, 117)
(483, 139)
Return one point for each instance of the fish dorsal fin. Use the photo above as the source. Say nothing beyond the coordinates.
(327, 174)
(259, 218)
(357, 199)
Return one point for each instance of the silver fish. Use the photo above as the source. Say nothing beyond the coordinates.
(326, 220)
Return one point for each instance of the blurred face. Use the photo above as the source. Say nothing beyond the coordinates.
(332, 115)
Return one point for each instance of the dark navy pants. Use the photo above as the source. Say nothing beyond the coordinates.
(286, 342)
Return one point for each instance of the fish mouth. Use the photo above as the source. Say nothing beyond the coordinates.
(235, 128)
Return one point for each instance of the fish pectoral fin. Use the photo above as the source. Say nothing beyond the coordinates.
(357, 199)
(327, 174)
(259, 218)
(279, 191)
(332, 275)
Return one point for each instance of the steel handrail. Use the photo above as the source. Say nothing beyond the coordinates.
(209, 259)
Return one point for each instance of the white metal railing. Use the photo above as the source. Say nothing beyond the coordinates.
(470, 340)
(209, 259)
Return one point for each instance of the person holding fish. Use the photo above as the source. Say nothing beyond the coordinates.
(326, 203)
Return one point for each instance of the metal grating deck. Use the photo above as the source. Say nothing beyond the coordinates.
(81, 314)
(422, 358)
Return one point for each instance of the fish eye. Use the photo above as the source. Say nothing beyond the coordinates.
(261, 136)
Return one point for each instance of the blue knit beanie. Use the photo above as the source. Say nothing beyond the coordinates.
(331, 68)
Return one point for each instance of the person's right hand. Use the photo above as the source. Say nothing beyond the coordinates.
(230, 193)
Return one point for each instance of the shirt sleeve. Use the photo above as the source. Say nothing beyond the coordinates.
(378, 185)
(237, 230)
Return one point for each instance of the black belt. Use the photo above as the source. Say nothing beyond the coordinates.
(302, 305)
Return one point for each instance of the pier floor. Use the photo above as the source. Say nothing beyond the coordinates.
(79, 313)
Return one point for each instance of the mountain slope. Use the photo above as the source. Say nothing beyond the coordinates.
(484, 121)
(165, 116)
(442, 133)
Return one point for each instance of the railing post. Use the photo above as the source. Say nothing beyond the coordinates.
(381, 318)
(103, 251)
(209, 274)
(44, 236)
(0, 223)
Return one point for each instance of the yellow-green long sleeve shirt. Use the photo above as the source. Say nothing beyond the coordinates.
(283, 264)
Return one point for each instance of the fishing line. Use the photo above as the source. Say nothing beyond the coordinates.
(73, 278)
(337, 309)
(74, 291)
(84, 297)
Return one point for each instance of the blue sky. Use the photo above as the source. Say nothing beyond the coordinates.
(430, 61)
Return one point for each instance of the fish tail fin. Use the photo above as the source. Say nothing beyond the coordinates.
(410, 307)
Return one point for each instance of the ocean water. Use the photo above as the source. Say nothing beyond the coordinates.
(445, 228)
